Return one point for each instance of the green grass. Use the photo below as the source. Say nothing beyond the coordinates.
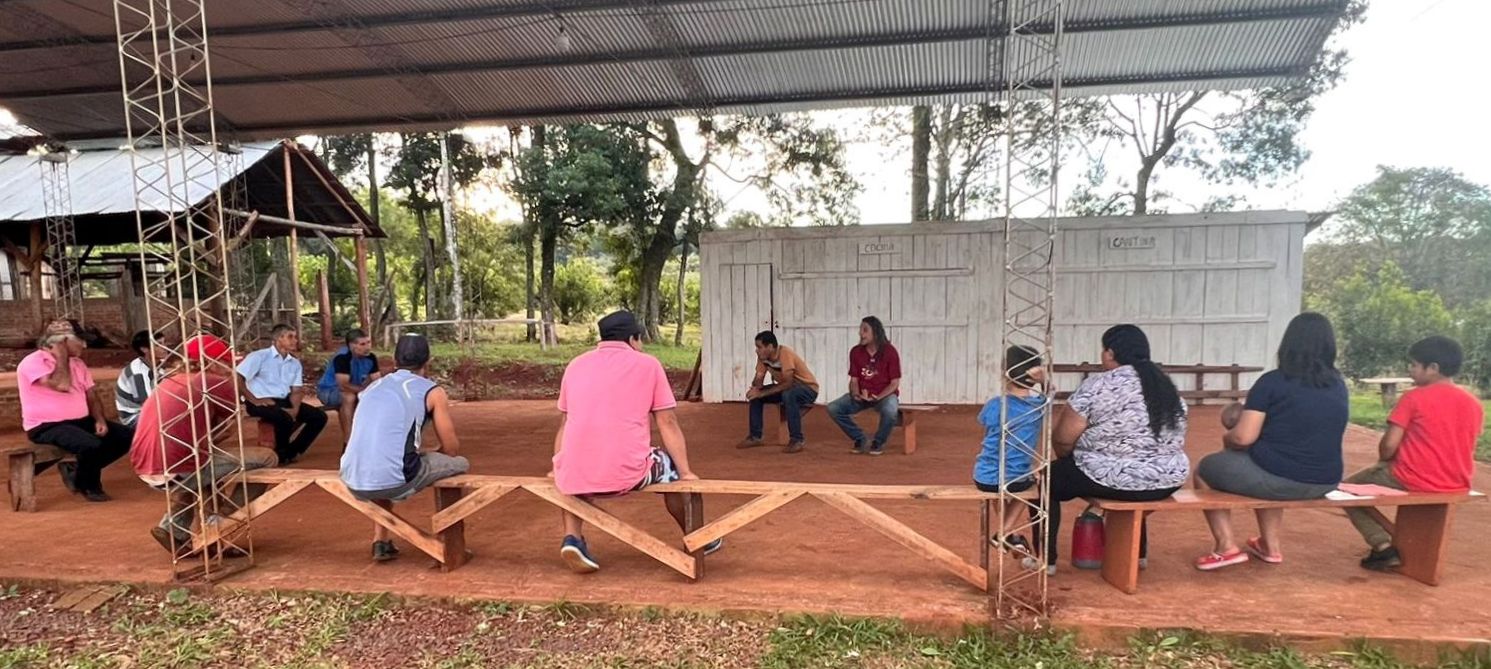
(503, 344)
(1367, 411)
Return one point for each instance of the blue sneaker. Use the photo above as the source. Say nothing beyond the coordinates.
(714, 546)
(577, 556)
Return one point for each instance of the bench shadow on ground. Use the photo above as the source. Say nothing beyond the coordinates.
(804, 557)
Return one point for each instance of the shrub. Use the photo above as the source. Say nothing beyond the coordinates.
(1377, 317)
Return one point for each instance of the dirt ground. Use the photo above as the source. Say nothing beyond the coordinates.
(805, 557)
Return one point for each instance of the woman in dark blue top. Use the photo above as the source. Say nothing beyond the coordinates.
(1287, 443)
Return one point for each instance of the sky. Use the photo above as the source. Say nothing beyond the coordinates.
(1415, 95)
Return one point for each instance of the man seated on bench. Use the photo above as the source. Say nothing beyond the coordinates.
(386, 459)
(793, 387)
(608, 399)
(1429, 445)
(874, 383)
(273, 392)
(183, 465)
(347, 373)
(61, 407)
(137, 379)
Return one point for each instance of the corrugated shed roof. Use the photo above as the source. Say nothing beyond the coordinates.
(102, 190)
(288, 66)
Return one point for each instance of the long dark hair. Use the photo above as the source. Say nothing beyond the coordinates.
(1130, 347)
(1307, 353)
(877, 329)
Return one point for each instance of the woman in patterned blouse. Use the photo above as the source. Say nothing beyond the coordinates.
(1122, 436)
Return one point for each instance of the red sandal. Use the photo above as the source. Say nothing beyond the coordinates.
(1213, 561)
(1255, 546)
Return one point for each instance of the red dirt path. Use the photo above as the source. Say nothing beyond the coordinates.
(803, 558)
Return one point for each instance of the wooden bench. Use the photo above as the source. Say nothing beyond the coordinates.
(1233, 391)
(906, 421)
(457, 498)
(1420, 531)
(23, 460)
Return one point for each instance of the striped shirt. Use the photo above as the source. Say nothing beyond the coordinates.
(136, 382)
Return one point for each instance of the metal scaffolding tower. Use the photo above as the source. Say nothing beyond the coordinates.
(56, 193)
(167, 95)
(1025, 61)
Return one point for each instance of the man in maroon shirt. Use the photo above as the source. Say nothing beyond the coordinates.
(874, 383)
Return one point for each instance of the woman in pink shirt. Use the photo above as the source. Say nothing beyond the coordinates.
(60, 407)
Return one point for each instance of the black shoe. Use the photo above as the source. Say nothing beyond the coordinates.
(794, 447)
(861, 447)
(1383, 560)
(383, 551)
(69, 473)
(97, 496)
(877, 449)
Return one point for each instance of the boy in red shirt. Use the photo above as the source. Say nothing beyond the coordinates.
(1430, 441)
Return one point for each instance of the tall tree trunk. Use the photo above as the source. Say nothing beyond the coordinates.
(1141, 187)
(528, 274)
(921, 151)
(534, 219)
(548, 242)
(379, 256)
(941, 206)
(654, 262)
(427, 249)
(681, 305)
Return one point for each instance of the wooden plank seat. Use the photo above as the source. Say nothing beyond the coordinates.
(457, 498)
(1199, 391)
(23, 460)
(1420, 531)
(906, 420)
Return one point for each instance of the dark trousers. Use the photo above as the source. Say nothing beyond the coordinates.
(1068, 482)
(309, 420)
(94, 452)
(793, 401)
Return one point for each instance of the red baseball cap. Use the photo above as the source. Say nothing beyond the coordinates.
(209, 347)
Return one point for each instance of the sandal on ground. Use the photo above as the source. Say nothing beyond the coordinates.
(1255, 547)
(1213, 561)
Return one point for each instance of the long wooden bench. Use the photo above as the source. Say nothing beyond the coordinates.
(457, 498)
(1199, 392)
(1420, 531)
(23, 459)
(906, 420)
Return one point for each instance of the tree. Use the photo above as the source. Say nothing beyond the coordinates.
(1327, 264)
(416, 172)
(1225, 137)
(1377, 316)
(1475, 337)
(580, 290)
(1432, 222)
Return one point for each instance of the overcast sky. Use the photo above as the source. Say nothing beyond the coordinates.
(1414, 96)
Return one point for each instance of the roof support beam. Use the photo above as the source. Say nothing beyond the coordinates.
(1324, 9)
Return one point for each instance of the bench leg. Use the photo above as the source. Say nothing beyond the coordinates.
(453, 538)
(985, 559)
(1121, 533)
(23, 482)
(691, 522)
(1422, 537)
(782, 435)
(908, 425)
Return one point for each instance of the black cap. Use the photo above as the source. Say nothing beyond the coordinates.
(619, 326)
(412, 351)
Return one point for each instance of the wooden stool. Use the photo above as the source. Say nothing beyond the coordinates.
(23, 460)
(783, 436)
(907, 421)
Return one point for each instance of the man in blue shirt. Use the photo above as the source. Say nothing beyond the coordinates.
(273, 390)
(347, 374)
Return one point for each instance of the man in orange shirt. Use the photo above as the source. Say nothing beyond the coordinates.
(793, 387)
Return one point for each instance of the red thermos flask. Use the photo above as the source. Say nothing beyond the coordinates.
(1087, 540)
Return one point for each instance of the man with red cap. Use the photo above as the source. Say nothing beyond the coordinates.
(181, 461)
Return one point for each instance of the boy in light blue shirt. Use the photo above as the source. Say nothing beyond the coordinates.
(1011, 468)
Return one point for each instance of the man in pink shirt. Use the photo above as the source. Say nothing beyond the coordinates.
(60, 407)
(609, 398)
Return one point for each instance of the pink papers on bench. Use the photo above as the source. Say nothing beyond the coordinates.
(1370, 490)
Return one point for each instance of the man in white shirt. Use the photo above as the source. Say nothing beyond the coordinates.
(273, 390)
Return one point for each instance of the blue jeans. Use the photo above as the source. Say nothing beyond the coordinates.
(843, 409)
(793, 401)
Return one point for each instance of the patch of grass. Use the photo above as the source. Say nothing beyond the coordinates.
(23, 657)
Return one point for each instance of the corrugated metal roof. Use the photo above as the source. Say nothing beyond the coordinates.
(102, 190)
(421, 63)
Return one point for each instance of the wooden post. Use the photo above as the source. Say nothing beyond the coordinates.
(364, 305)
(33, 266)
(452, 538)
(325, 311)
(294, 239)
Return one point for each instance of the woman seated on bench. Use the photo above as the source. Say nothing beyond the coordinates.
(1122, 437)
(1285, 446)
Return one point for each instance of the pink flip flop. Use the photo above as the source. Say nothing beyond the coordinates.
(1255, 546)
(1212, 561)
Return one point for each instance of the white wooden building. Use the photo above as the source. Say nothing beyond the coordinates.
(1207, 288)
